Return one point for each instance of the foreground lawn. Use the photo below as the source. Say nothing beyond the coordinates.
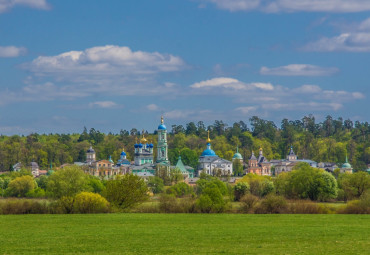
(184, 234)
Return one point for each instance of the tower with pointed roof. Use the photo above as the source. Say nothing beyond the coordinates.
(260, 165)
(291, 156)
(90, 155)
(162, 146)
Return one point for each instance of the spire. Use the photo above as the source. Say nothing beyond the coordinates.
(162, 119)
(208, 140)
(237, 149)
(346, 158)
(261, 151)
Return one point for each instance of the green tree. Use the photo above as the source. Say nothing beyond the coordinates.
(126, 191)
(67, 182)
(155, 184)
(21, 185)
(211, 201)
(180, 189)
(240, 189)
(237, 168)
(354, 185)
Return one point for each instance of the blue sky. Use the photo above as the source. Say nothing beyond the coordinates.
(121, 64)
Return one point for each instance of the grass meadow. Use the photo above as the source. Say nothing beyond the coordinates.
(184, 234)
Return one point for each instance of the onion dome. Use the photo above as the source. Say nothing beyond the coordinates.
(136, 145)
(140, 145)
(143, 140)
(151, 145)
(208, 140)
(162, 126)
(90, 150)
(209, 152)
(123, 153)
(237, 155)
(110, 159)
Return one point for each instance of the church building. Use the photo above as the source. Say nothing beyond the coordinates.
(212, 164)
(260, 165)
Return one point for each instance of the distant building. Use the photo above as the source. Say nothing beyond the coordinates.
(212, 164)
(327, 166)
(287, 165)
(187, 171)
(260, 165)
(238, 156)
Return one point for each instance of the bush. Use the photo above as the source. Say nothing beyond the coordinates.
(180, 189)
(155, 184)
(36, 193)
(272, 204)
(240, 189)
(126, 191)
(303, 207)
(23, 206)
(211, 201)
(87, 202)
(248, 202)
(361, 206)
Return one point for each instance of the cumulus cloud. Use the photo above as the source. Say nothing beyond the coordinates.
(299, 70)
(105, 60)
(103, 104)
(335, 6)
(257, 97)
(354, 39)
(230, 83)
(11, 51)
(152, 107)
(6, 5)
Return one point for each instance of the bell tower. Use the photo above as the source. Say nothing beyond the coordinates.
(162, 147)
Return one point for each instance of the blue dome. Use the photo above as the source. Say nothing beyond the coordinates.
(136, 145)
(208, 152)
(151, 145)
(162, 127)
(140, 145)
(123, 153)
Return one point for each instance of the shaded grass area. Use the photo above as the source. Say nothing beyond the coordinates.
(184, 234)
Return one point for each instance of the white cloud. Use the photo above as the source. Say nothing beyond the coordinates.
(152, 107)
(335, 6)
(103, 104)
(6, 5)
(230, 83)
(355, 39)
(299, 70)
(105, 61)
(265, 97)
(11, 51)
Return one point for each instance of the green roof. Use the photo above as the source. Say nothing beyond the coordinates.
(181, 166)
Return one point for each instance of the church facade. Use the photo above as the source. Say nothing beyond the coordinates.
(260, 165)
(212, 164)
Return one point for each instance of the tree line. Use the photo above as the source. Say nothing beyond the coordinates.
(327, 141)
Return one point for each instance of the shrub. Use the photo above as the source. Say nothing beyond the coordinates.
(36, 193)
(23, 206)
(126, 191)
(180, 189)
(272, 204)
(168, 204)
(354, 185)
(248, 202)
(211, 201)
(240, 189)
(88, 202)
(155, 184)
(303, 207)
(361, 206)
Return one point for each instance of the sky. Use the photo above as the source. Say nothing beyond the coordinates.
(112, 65)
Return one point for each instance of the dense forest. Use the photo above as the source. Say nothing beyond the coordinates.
(327, 141)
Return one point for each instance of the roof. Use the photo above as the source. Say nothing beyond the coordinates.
(144, 174)
(253, 157)
(180, 165)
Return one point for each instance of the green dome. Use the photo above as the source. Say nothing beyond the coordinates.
(346, 165)
(238, 156)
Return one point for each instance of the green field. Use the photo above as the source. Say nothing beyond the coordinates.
(184, 234)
